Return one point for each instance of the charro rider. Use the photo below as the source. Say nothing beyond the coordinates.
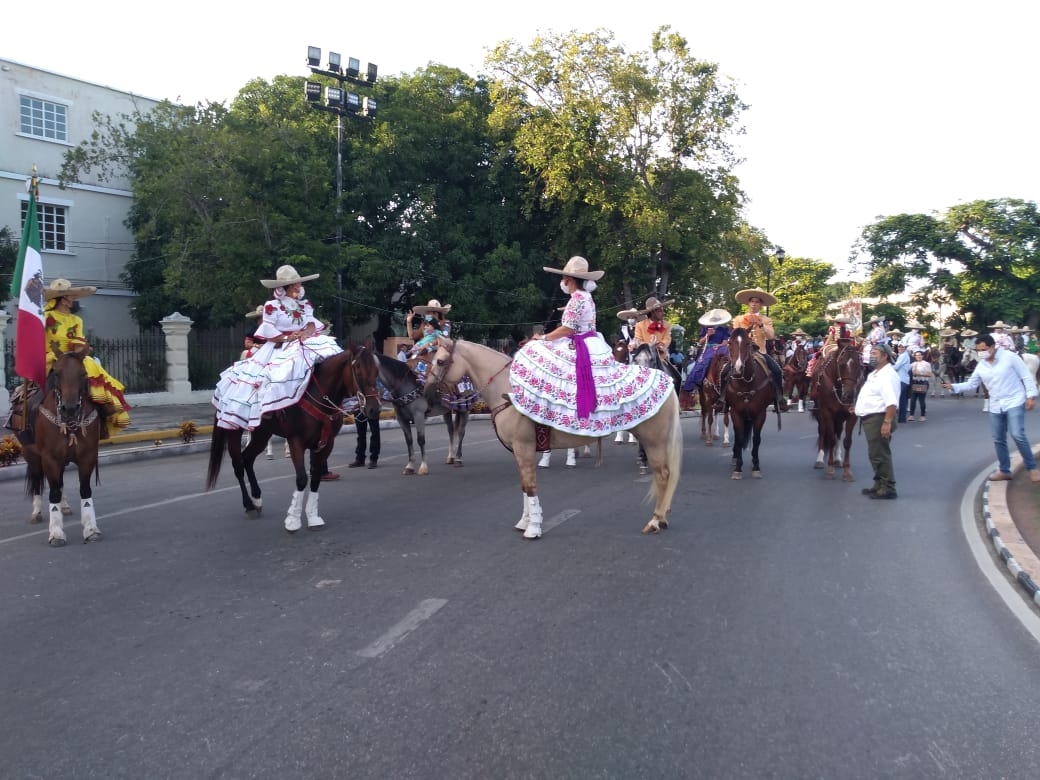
(836, 333)
(714, 337)
(568, 378)
(760, 329)
(654, 330)
(464, 395)
(64, 332)
(431, 312)
(275, 375)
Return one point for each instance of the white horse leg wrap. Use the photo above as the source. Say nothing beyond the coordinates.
(292, 517)
(87, 518)
(313, 518)
(56, 523)
(620, 438)
(525, 518)
(37, 509)
(571, 461)
(534, 524)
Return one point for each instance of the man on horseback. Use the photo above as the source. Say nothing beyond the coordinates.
(714, 336)
(760, 329)
(64, 332)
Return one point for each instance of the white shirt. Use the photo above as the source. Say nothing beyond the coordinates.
(880, 390)
(1006, 378)
(1004, 340)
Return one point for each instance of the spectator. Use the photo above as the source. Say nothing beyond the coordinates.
(876, 406)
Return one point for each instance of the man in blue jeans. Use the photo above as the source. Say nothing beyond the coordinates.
(1012, 393)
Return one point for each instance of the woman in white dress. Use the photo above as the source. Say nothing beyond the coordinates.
(276, 374)
(568, 378)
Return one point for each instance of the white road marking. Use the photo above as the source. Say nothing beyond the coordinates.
(412, 621)
(555, 520)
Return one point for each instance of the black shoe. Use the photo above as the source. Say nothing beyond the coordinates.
(884, 494)
(868, 491)
(372, 463)
(356, 464)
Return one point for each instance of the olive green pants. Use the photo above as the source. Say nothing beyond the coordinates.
(879, 451)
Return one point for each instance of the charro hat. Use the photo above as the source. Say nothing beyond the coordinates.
(744, 296)
(947, 332)
(433, 305)
(842, 318)
(894, 332)
(1014, 329)
(256, 313)
(715, 317)
(62, 288)
(578, 267)
(914, 325)
(799, 332)
(652, 303)
(968, 332)
(286, 275)
(631, 314)
(998, 324)
(1025, 329)
(875, 319)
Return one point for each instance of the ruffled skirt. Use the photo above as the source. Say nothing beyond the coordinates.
(273, 378)
(107, 392)
(544, 387)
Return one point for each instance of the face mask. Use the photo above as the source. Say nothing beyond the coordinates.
(983, 354)
(565, 288)
(301, 293)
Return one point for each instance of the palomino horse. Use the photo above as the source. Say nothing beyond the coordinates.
(709, 392)
(795, 377)
(749, 390)
(660, 435)
(839, 376)
(412, 408)
(310, 424)
(67, 431)
(1033, 364)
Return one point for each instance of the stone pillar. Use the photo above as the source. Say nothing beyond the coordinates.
(5, 396)
(176, 328)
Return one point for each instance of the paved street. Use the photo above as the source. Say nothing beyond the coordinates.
(781, 627)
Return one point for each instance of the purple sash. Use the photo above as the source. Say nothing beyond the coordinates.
(583, 374)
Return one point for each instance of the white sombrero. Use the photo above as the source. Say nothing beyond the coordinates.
(631, 314)
(286, 275)
(842, 318)
(62, 288)
(998, 324)
(652, 304)
(578, 267)
(914, 325)
(947, 332)
(256, 313)
(715, 317)
(875, 319)
(744, 296)
(968, 333)
(433, 305)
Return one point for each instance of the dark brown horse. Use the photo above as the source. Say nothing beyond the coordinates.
(839, 377)
(310, 424)
(749, 390)
(709, 392)
(67, 431)
(795, 377)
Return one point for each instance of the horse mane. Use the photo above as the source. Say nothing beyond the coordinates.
(396, 368)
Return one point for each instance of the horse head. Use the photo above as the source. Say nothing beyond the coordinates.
(445, 369)
(67, 383)
(352, 372)
(740, 350)
(848, 375)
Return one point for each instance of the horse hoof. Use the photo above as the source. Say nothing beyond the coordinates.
(817, 465)
(756, 475)
(423, 470)
(294, 530)
(829, 475)
(736, 475)
(35, 519)
(848, 478)
(458, 463)
(449, 460)
(651, 528)
(94, 537)
(408, 470)
(54, 541)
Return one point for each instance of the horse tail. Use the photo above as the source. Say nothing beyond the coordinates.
(33, 482)
(747, 431)
(674, 450)
(217, 445)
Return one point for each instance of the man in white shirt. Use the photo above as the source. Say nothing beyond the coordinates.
(1012, 393)
(876, 406)
(1001, 338)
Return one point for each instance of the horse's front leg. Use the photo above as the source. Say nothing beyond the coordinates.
(294, 515)
(850, 428)
(756, 440)
(738, 450)
(56, 520)
(88, 519)
(461, 419)
(531, 519)
(420, 438)
(449, 423)
(241, 468)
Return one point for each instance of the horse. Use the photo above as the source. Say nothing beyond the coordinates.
(660, 434)
(67, 431)
(310, 424)
(411, 407)
(839, 378)
(709, 392)
(1033, 364)
(622, 355)
(749, 390)
(795, 377)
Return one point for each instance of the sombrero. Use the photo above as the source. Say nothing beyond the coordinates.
(715, 317)
(799, 332)
(1014, 329)
(914, 325)
(744, 296)
(433, 305)
(968, 332)
(1025, 329)
(631, 314)
(947, 332)
(842, 318)
(998, 324)
(875, 319)
(578, 267)
(286, 275)
(652, 303)
(894, 332)
(256, 313)
(62, 288)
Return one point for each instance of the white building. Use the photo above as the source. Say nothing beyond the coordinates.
(43, 115)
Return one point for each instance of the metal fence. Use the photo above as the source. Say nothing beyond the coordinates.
(210, 352)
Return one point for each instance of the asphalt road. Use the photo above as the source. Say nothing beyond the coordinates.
(784, 627)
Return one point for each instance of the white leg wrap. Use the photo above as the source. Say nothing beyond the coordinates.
(57, 524)
(313, 518)
(88, 519)
(544, 462)
(292, 517)
(620, 438)
(571, 460)
(525, 518)
(534, 523)
(632, 439)
(37, 510)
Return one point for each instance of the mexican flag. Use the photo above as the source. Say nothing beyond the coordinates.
(30, 355)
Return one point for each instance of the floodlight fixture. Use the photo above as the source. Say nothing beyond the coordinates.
(353, 67)
(333, 97)
(334, 62)
(312, 90)
(370, 108)
(780, 255)
(373, 71)
(314, 56)
(352, 103)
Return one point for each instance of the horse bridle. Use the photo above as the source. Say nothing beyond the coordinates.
(325, 404)
(748, 394)
(838, 387)
(68, 426)
(442, 385)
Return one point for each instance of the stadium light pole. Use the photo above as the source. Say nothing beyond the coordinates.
(342, 104)
(779, 254)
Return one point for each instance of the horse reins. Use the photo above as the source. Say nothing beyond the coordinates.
(69, 428)
(323, 409)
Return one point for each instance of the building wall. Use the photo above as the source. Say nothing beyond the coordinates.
(98, 244)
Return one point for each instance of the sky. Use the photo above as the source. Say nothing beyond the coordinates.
(857, 110)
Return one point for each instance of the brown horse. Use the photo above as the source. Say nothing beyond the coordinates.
(660, 434)
(749, 390)
(795, 377)
(310, 424)
(67, 431)
(839, 378)
(709, 393)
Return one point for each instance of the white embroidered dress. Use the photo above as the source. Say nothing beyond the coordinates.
(275, 375)
(544, 386)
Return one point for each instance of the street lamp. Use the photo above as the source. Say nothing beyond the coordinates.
(779, 254)
(341, 103)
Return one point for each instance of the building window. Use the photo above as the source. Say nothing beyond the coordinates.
(52, 222)
(43, 119)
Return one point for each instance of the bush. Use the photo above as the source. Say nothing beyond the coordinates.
(10, 450)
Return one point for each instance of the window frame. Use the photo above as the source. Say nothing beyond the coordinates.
(45, 101)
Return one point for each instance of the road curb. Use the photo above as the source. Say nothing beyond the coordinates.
(1019, 558)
